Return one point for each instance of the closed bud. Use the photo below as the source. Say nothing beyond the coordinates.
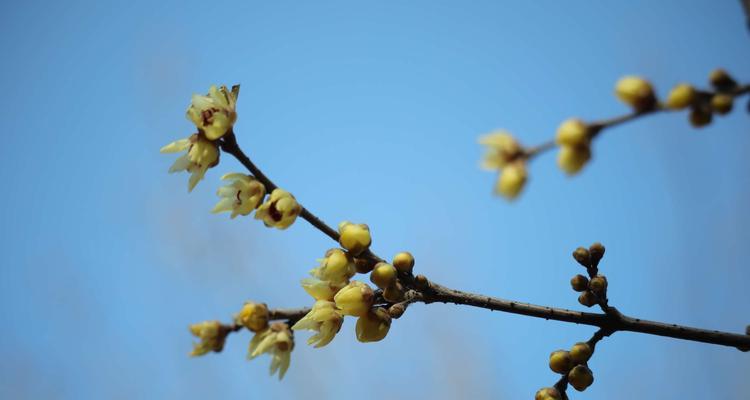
(253, 316)
(572, 159)
(681, 96)
(512, 180)
(722, 103)
(636, 92)
(721, 80)
(404, 262)
(560, 362)
(580, 377)
(583, 256)
(394, 293)
(572, 132)
(421, 282)
(355, 299)
(396, 310)
(373, 326)
(700, 117)
(596, 251)
(579, 283)
(383, 275)
(548, 393)
(580, 352)
(598, 284)
(588, 299)
(354, 237)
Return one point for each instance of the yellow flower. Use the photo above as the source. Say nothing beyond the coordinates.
(502, 148)
(512, 180)
(572, 132)
(200, 155)
(321, 290)
(572, 159)
(681, 96)
(354, 237)
(636, 92)
(241, 197)
(211, 335)
(253, 316)
(323, 319)
(373, 326)
(337, 267)
(214, 114)
(280, 210)
(355, 299)
(278, 342)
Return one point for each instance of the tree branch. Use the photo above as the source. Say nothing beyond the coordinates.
(430, 292)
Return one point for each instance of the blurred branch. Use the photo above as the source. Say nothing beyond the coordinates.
(746, 6)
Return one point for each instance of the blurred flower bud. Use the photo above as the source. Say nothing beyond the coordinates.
(722, 103)
(721, 80)
(548, 393)
(502, 149)
(571, 159)
(583, 256)
(253, 316)
(636, 92)
(700, 117)
(681, 96)
(572, 132)
(512, 180)
(211, 335)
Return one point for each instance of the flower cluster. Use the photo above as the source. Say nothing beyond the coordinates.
(337, 296)
(574, 365)
(704, 104)
(274, 339)
(593, 288)
(506, 155)
(214, 116)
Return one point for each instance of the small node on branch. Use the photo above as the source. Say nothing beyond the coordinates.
(421, 283)
(583, 256)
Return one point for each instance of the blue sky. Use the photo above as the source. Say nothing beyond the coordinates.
(366, 111)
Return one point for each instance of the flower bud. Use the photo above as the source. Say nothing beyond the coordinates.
(636, 92)
(579, 283)
(354, 237)
(253, 316)
(383, 275)
(700, 117)
(598, 284)
(583, 256)
(596, 251)
(396, 310)
(512, 180)
(336, 267)
(580, 352)
(572, 159)
(404, 262)
(572, 132)
(394, 293)
(421, 282)
(321, 290)
(721, 80)
(588, 298)
(580, 377)
(548, 393)
(681, 96)
(280, 210)
(560, 362)
(212, 336)
(722, 103)
(355, 299)
(373, 326)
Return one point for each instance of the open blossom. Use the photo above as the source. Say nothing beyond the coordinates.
(200, 155)
(214, 114)
(278, 342)
(355, 299)
(280, 210)
(321, 290)
(337, 267)
(241, 197)
(323, 319)
(211, 335)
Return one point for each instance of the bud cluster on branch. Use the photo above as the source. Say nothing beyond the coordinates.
(336, 295)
